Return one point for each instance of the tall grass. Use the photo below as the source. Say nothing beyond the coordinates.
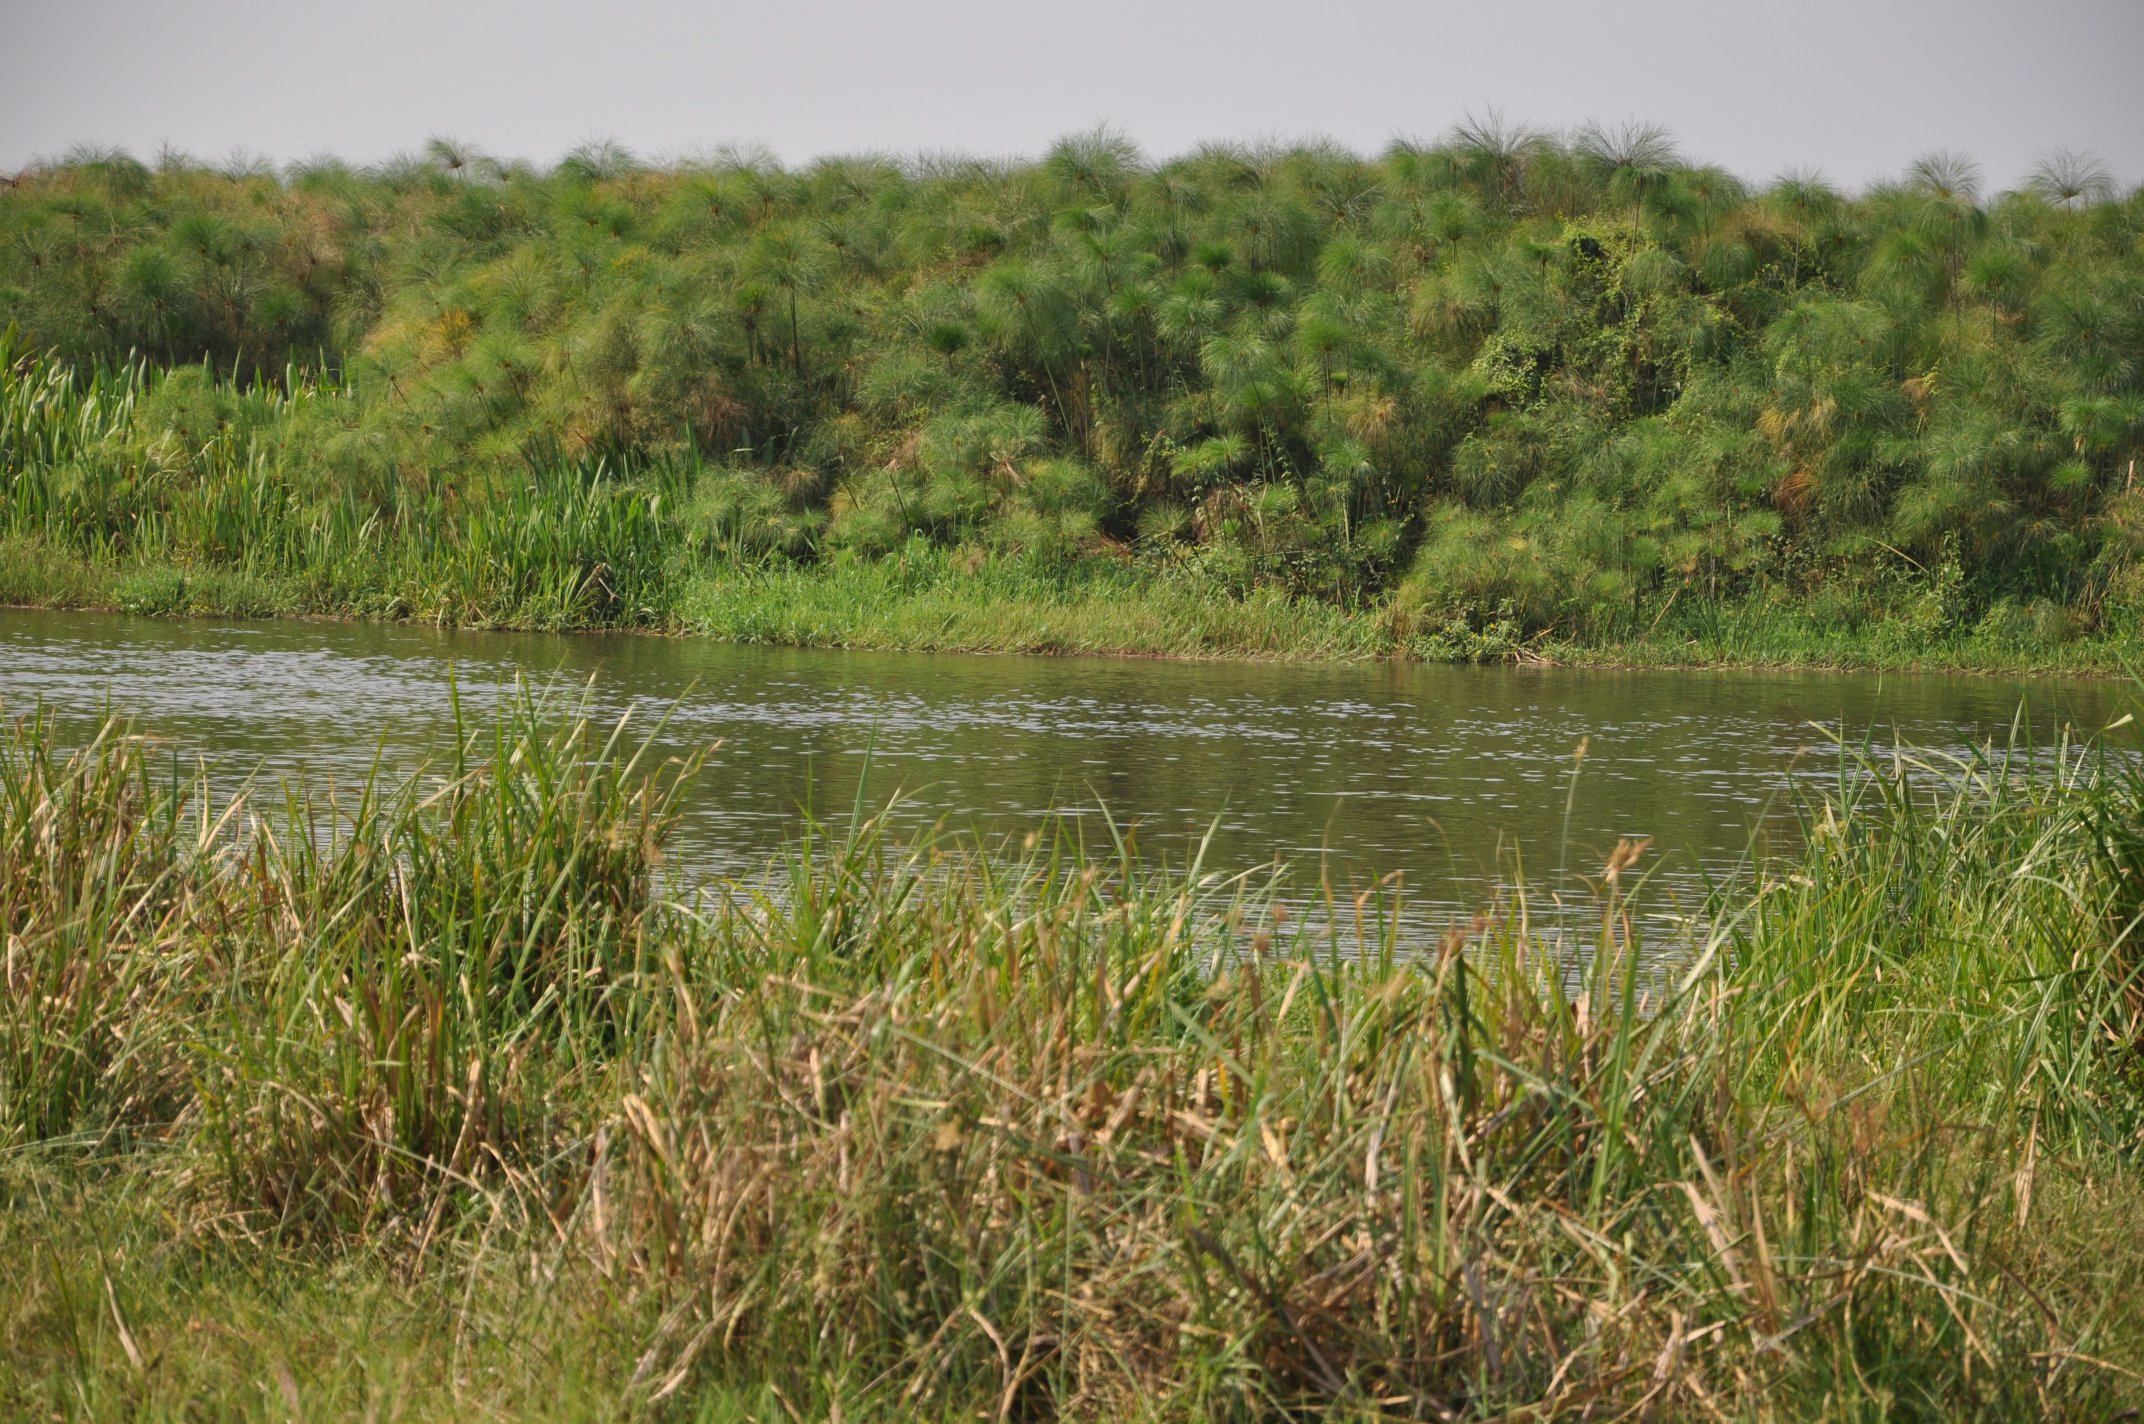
(98, 863)
(933, 1129)
(179, 487)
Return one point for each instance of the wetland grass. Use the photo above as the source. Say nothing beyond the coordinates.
(434, 1100)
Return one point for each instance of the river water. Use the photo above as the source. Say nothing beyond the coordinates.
(1459, 778)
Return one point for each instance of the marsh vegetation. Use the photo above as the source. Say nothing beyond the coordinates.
(1503, 394)
(439, 1094)
(426, 1100)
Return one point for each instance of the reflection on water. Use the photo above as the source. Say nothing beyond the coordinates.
(1450, 775)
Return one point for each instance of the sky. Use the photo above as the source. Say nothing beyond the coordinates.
(1855, 89)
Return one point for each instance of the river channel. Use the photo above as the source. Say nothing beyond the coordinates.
(1460, 779)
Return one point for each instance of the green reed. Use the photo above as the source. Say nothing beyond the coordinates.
(202, 489)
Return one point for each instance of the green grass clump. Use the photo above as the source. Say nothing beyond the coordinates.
(430, 1100)
(97, 861)
(929, 600)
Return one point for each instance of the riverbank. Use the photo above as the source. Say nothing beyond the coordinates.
(1134, 411)
(933, 600)
(455, 1115)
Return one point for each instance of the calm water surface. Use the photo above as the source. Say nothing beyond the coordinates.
(1444, 774)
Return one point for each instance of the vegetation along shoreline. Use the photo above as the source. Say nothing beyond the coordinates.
(1004, 636)
(1509, 395)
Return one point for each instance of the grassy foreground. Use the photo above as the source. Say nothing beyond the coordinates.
(424, 1102)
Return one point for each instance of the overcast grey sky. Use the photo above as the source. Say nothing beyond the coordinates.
(1855, 88)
